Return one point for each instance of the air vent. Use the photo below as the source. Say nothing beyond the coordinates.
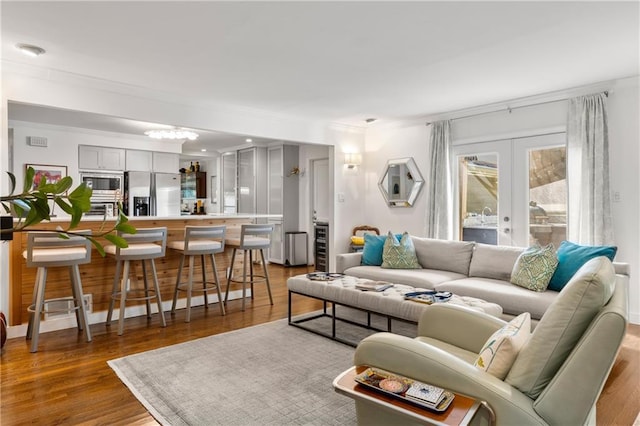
(37, 141)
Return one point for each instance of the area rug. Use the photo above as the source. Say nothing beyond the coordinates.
(270, 374)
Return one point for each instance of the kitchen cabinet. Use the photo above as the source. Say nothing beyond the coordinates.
(252, 180)
(139, 161)
(166, 162)
(229, 179)
(283, 196)
(100, 158)
(193, 185)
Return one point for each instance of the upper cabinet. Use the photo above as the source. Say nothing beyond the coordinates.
(139, 161)
(100, 158)
(166, 162)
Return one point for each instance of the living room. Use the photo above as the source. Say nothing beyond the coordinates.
(470, 86)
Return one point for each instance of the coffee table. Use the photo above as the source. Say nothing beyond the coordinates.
(389, 304)
(462, 411)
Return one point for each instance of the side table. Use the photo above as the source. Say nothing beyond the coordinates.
(389, 410)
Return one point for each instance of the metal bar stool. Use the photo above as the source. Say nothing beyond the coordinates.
(145, 244)
(252, 237)
(46, 250)
(199, 241)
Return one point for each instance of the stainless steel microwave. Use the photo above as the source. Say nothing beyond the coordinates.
(102, 209)
(107, 187)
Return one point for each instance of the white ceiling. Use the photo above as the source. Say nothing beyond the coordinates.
(336, 61)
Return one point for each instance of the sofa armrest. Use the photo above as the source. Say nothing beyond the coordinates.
(428, 364)
(457, 325)
(347, 260)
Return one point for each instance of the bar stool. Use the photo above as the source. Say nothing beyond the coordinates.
(145, 244)
(46, 250)
(252, 237)
(199, 241)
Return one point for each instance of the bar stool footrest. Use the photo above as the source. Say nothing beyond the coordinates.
(32, 307)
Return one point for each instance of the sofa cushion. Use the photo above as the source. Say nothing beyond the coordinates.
(399, 254)
(490, 261)
(422, 278)
(453, 256)
(372, 250)
(513, 299)
(572, 256)
(535, 267)
(501, 349)
(562, 326)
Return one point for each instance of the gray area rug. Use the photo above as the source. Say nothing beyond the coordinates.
(270, 374)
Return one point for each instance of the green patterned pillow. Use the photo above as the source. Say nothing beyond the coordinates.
(399, 254)
(535, 267)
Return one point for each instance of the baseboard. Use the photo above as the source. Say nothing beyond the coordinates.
(101, 317)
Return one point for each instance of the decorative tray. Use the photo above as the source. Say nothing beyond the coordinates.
(324, 276)
(404, 388)
(429, 296)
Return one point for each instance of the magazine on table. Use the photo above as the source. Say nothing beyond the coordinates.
(373, 285)
(429, 296)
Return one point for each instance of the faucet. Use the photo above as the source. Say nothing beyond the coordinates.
(484, 217)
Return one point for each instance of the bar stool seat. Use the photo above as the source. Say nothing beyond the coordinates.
(252, 237)
(46, 250)
(146, 244)
(199, 241)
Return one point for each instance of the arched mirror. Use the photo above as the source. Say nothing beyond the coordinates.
(401, 182)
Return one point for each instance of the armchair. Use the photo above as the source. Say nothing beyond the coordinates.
(558, 374)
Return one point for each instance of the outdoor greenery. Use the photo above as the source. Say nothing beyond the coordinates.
(32, 206)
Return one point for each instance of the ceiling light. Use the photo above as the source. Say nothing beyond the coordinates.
(30, 50)
(248, 140)
(172, 134)
(203, 150)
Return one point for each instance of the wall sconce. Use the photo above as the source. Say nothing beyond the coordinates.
(352, 160)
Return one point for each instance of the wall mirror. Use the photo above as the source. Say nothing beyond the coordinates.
(401, 182)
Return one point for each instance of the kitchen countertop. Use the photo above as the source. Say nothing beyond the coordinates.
(177, 217)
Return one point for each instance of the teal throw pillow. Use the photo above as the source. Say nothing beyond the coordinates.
(572, 256)
(535, 267)
(399, 254)
(372, 250)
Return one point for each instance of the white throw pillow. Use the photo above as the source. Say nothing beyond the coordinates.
(500, 351)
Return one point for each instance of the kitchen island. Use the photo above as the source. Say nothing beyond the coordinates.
(97, 276)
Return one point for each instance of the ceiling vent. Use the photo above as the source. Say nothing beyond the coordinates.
(37, 141)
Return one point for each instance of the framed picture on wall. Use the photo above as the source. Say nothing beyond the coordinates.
(53, 174)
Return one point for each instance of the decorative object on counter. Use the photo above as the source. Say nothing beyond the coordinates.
(192, 168)
(295, 171)
(197, 166)
(31, 206)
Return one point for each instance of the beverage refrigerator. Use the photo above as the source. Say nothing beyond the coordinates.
(151, 194)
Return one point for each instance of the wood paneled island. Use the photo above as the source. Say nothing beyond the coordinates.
(97, 276)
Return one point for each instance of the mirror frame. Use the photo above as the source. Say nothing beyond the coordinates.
(418, 182)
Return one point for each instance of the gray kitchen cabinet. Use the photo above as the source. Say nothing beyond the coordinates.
(139, 161)
(100, 158)
(166, 162)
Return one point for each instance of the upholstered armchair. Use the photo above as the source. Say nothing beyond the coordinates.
(556, 376)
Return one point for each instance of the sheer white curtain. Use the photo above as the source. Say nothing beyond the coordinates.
(439, 183)
(588, 171)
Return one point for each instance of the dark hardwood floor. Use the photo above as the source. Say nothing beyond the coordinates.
(68, 380)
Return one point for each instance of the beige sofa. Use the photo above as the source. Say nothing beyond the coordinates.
(466, 269)
(555, 378)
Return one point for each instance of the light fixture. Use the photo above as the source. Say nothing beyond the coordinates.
(203, 150)
(172, 134)
(248, 140)
(30, 50)
(352, 160)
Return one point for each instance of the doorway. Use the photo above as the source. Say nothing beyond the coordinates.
(512, 191)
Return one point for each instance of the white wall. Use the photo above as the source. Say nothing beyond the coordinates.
(383, 143)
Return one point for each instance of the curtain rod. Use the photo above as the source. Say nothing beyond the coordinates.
(509, 109)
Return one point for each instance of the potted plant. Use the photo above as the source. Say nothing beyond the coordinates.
(32, 206)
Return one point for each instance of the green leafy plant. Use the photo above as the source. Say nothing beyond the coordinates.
(32, 206)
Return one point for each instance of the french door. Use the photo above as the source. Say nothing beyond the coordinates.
(512, 191)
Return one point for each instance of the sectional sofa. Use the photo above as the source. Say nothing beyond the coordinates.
(466, 269)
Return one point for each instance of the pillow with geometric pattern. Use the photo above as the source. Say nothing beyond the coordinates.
(399, 254)
(535, 267)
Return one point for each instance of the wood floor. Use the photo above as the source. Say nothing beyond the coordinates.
(68, 380)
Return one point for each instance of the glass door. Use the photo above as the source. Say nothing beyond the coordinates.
(229, 176)
(513, 191)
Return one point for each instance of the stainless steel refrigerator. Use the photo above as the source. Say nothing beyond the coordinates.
(151, 194)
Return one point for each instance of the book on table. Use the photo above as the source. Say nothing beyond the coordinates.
(373, 285)
(429, 296)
